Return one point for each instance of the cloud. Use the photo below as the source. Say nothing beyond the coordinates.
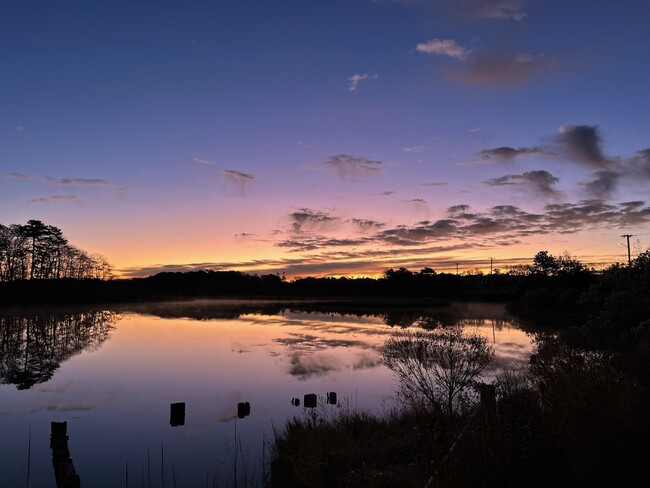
(366, 224)
(308, 343)
(580, 144)
(78, 181)
(435, 183)
(604, 184)
(238, 180)
(302, 243)
(327, 263)
(21, 176)
(632, 206)
(422, 232)
(443, 47)
(366, 361)
(539, 181)
(478, 9)
(20, 129)
(237, 175)
(495, 9)
(506, 153)
(305, 367)
(571, 217)
(385, 193)
(355, 79)
(352, 168)
(583, 143)
(203, 161)
(428, 243)
(308, 219)
(53, 198)
(459, 209)
(640, 164)
(575, 143)
(510, 222)
(498, 70)
(415, 149)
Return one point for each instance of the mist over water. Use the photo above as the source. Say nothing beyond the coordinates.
(112, 374)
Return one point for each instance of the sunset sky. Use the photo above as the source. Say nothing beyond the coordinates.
(328, 137)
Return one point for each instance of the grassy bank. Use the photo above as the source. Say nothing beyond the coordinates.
(570, 419)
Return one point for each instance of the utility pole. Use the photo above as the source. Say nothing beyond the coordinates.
(629, 255)
(491, 266)
(456, 268)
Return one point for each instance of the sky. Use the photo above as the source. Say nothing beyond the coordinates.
(328, 137)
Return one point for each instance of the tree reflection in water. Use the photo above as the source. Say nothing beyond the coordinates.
(32, 347)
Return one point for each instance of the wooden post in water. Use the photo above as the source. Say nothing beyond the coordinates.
(177, 414)
(64, 472)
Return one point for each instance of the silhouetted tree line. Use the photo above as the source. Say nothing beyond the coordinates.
(555, 288)
(36, 251)
(204, 284)
(38, 265)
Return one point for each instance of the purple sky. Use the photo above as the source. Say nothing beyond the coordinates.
(327, 137)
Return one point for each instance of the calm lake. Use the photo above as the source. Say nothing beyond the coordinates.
(111, 373)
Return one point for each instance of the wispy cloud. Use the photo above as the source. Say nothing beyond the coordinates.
(200, 160)
(540, 181)
(482, 10)
(237, 175)
(495, 9)
(20, 176)
(443, 47)
(238, 180)
(78, 181)
(366, 224)
(507, 154)
(53, 198)
(415, 149)
(352, 168)
(308, 227)
(458, 210)
(604, 184)
(386, 193)
(308, 219)
(499, 70)
(640, 164)
(354, 80)
(479, 67)
(424, 231)
(311, 242)
(435, 183)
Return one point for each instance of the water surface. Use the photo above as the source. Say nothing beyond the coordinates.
(111, 374)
